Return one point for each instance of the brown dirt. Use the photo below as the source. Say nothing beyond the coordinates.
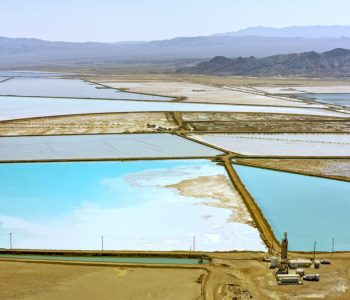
(252, 122)
(236, 275)
(91, 123)
(29, 281)
(257, 280)
(156, 122)
(231, 117)
(333, 168)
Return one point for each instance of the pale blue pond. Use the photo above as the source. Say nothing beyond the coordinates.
(342, 99)
(308, 208)
(29, 74)
(70, 205)
(33, 107)
(100, 146)
(58, 87)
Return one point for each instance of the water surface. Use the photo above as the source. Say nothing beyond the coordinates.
(308, 208)
(58, 87)
(29, 74)
(113, 259)
(100, 146)
(30, 107)
(283, 144)
(70, 205)
(342, 99)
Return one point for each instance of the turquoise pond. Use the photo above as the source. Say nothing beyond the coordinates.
(132, 204)
(308, 208)
(110, 259)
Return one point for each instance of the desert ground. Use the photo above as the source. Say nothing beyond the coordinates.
(50, 281)
(166, 122)
(88, 124)
(329, 168)
(240, 275)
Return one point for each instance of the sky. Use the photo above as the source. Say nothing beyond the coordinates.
(121, 20)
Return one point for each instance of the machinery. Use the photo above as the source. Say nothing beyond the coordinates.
(283, 269)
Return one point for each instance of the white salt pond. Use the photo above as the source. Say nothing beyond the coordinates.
(70, 205)
(281, 144)
(30, 107)
(105, 146)
(58, 87)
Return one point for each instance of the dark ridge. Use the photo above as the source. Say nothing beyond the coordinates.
(335, 63)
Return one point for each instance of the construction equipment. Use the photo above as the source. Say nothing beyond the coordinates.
(312, 277)
(325, 262)
(288, 279)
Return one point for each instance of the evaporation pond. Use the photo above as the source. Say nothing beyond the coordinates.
(284, 144)
(58, 87)
(110, 259)
(308, 208)
(132, 204)
(13, 107)
(100, 146)
(331, 98)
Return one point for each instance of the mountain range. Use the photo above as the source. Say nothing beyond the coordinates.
(335, 31)
(335, 63)
(257, 42)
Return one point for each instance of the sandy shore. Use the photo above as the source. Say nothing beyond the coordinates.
(221, 190)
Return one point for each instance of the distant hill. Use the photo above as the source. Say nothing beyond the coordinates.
(330, 63)
(312, 32)
(257, 42)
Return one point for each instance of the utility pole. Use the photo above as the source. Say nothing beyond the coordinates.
(332, 247)
(10, 240)
(194, 243)
(314, 251)
(102, 242)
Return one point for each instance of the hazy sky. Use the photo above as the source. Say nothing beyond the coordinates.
(120, 20)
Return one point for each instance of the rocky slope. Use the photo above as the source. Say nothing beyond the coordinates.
(331, 63)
